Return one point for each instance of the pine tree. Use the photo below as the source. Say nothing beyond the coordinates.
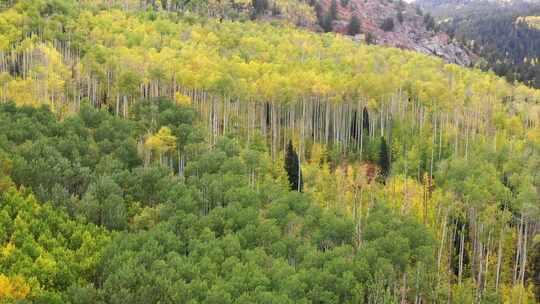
(354, 125)
(327, 23)
(319, 13)
(384, 159)
(292, 166)
(400, 16)
(354, 26)
(429, 21)
(388, 24)
(333, 13)
(365, 120)
(259, 6)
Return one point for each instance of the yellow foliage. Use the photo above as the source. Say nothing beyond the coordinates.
(515, 126)
(12, 288)
(6, 251)
(46, 264)
(21, 92)
(518, 295)
(182, 99)
(534, 134)
(317, 153)
(531, 21)
(408, 195)
(161, 142)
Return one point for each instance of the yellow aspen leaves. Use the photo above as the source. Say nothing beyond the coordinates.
(161, 142)
(534, 135)
(515, 126)
(182, 100)
(21, 92)
(317, 153)
(12, 289)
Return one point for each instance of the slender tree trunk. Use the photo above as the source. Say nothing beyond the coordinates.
(441, 247)
(518, 250)
(499, 261)
(461, 251)
(524, 257)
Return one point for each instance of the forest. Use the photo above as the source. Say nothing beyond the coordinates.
(506, 36)
(181, 152)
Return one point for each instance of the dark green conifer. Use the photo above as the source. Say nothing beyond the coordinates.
(354, 26)
(292, 166)
(384, 159)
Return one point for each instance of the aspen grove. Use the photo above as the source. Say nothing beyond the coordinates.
(183, 152)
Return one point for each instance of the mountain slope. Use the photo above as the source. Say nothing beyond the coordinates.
(396, 24)
(503, 33)
(409, 28)
(235, 161)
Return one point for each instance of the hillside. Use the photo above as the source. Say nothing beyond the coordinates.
(410, 30)
(396, 24)
(167, 152)
(496, 30)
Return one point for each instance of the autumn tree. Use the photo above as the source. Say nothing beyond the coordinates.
(162, 142)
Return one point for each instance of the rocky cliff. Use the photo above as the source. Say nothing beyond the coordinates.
(398, 24)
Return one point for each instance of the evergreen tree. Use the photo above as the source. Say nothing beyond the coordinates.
(400, 16)
(388, 24)
(292, 166)
(384, 158)
(326, 23)
(429, 21)
(365, 120)
(319, 13)
(333, 13)
(354, 26)
(354, 125)
(259, 6)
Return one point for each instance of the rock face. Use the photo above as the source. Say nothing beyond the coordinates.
(450, 51)
(411, 28)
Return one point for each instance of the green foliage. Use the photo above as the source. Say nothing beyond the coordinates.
(212, 236)
(399, 16)
(103, 204)
(384, 158)
(42, 244)
(429, 21)
(196, 193)
(333, 10)
(259, 6)
(293, 168)
(500, 34)
(354, 26)
(326, 21)
(388, 24)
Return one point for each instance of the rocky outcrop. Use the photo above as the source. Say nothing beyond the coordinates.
(451, 52)
(411, 28)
